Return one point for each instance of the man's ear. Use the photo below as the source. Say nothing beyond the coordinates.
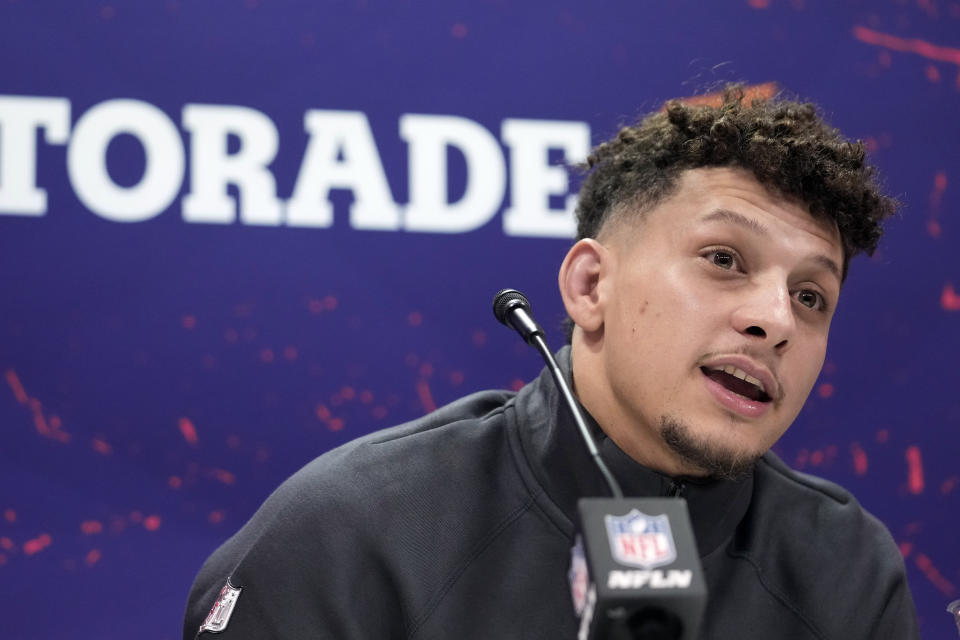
(580, 279)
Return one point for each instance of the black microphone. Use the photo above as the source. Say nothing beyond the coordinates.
(513, 309)
(635, 572)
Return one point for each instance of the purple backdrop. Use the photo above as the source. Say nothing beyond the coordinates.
(167, 362)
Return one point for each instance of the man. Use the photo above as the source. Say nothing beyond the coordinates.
(713, 243)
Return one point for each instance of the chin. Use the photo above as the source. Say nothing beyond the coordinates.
(711, 459)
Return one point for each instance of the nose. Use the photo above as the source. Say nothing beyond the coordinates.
(765, 315)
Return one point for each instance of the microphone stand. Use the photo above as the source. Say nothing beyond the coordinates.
(622, 610)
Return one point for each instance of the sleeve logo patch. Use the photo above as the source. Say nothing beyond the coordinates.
(219, 615)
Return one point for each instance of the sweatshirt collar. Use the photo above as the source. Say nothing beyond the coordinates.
(563, 467)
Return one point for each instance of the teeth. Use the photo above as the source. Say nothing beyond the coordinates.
(753, 381)
(743, 375)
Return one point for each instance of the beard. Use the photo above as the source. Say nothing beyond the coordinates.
(715, 460)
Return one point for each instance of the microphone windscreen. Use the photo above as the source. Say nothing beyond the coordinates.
(507, 299)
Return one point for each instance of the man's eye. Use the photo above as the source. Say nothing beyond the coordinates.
(723, 259)
(809, 298)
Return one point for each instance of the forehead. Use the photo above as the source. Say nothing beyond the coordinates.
(729, 196)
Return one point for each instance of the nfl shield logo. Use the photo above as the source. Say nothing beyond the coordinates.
(639, 540)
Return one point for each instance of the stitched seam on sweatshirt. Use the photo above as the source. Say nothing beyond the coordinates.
(777, 595)
(528, 478)
(478, 549)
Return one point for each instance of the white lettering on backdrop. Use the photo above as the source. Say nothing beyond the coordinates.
(341, 153)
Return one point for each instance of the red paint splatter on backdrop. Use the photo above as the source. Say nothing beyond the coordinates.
(9, 515)
(426, 397)
(859, 459)
(949, 485)
(939, 186)
(936, 199)
(934, 576)
(14, 381)
(907, 45)
(914, 470)
(91, 527)
(949, 299)
(151, 523)
(801, 460)
(763, 91)
(323, 412)
(825, 390)
(224, 476)
(188, 431)
(459, 30)
(38, 544)
(101, 446)
(92, 557)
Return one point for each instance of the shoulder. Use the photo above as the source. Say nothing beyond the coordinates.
(454, 440)
(371, 514)
(435, 455)
(820, 509)
(818, 551)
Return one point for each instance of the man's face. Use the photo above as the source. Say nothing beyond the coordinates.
(717, 305)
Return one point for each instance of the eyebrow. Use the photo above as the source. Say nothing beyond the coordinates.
(758, 228)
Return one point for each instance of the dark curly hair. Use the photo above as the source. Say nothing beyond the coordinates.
(786, 145)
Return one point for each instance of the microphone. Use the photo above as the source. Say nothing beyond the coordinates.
(513, 309)
(635, 572)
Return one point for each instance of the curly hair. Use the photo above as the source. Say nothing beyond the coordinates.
(786, 145)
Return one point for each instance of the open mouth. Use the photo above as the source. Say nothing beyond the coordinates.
(738, 381)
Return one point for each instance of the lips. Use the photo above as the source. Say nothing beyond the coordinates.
(741, 385)
(738, 381)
